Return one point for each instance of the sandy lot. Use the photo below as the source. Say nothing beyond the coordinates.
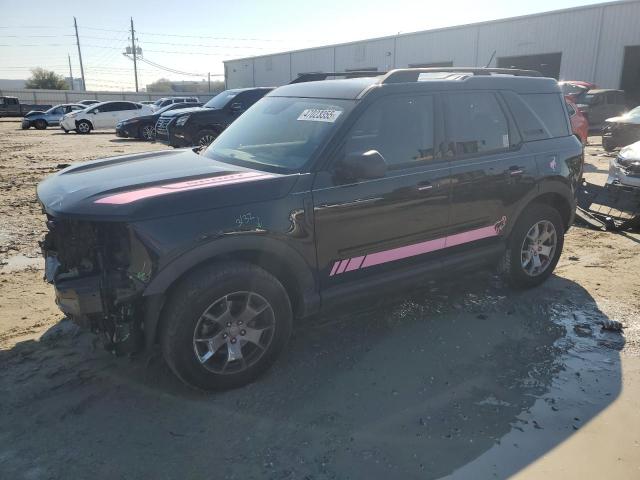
(460, 380)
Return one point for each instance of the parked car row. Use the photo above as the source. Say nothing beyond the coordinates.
(143, 127)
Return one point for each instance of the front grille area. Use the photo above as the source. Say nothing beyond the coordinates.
(161, 126)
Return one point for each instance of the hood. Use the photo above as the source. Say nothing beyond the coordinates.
(630, 154)
(184, 111)
(153, 117)
(155, 184)
(31, 113)
(623, 119)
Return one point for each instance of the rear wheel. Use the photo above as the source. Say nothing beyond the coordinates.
(205, 137)
(148, 132)
(534, 246)
(40, 124)
(225, 325)
(83, 127)
(607, 145)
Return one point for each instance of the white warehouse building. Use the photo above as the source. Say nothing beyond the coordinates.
(597, 43)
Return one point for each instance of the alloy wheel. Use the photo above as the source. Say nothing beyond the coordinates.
(206, 140)
(234, 332)
(538, 248)
(148, 132)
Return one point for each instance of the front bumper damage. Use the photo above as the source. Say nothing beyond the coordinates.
(99, 273)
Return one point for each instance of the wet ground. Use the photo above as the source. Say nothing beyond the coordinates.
(460, 379)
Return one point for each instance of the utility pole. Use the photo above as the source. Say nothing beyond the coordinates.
(133, 51)
(84, 85)
(209, 81)
(70, 72)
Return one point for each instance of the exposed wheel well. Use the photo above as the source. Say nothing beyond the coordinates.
(268, 262)
(558, 202)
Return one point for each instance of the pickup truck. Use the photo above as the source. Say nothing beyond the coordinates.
(11, 107)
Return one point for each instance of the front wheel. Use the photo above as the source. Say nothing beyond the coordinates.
(83, 127)
(224, 325)
(607, 145)
(148, 132)
(40, 124)
(205, 138)
(534, 246)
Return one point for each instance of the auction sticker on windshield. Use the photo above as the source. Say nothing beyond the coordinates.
(319, 115)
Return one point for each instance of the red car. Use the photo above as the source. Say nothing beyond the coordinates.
(579, 123)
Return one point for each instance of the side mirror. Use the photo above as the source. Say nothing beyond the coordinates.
(362, 166)
(236, 106)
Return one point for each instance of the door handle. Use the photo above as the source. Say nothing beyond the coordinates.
(424, 186)
(515, 170)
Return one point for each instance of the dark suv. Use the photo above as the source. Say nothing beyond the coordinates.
(321, 193)
(200, 126)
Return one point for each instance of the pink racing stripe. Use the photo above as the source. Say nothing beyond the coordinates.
(343, 266)
(135, 195)
(403, 252)
(470, 236)
(354, 263)
(334, 269)
(400, 253)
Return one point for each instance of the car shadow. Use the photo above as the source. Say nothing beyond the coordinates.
(468, 378)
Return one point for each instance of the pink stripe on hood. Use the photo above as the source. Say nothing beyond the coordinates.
(135, 195)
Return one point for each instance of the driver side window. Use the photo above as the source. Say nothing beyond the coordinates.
(400, 128)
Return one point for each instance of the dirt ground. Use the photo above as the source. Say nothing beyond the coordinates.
(465, 379)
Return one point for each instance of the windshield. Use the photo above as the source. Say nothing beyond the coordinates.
(280, 133)
(158, 102)
(220, 100)
(171, 106)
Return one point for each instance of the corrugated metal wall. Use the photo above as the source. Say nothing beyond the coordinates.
(591, 40)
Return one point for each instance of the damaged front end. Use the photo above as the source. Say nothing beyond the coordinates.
(99, 271)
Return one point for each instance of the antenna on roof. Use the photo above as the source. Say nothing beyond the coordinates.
(491, 59)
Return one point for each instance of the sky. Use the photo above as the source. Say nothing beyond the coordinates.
(195, 36)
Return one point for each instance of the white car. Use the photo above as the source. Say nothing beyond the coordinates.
(104, 115)
(625, 168)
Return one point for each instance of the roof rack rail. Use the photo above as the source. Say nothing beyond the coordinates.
(404, 75)
(315, 76)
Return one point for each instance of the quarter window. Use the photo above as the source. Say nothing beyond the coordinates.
(547, 107)
(475, 124)
(400, 128)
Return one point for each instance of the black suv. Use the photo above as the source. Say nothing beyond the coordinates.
(200, 126)
(144, 127)
(323, 192)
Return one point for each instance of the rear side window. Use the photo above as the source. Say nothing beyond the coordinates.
(571, 110)
(400, 128)
(475, 124)
(548, 108)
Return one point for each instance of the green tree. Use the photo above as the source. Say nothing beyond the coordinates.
(46, 79)
(162, 85)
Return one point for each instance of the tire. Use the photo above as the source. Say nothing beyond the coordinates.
(40, 124)
(66, 131)
(205, 137)
(607, 146)
(513, 264)
(26, 127)
(212, 291)
(147, 132)
(83, 127)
